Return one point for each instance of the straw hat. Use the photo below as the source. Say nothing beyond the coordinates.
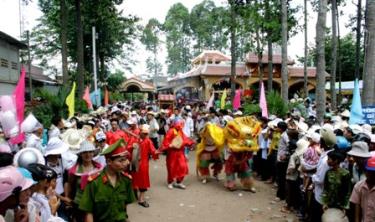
(86, 146)
(28, 155)
(346, 113)
(73, 138)
(145, 128)
(327, 134)
(55, 146)
(360, 149)
(356, 128)
(130, 122)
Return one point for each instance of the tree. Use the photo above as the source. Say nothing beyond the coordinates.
(284, 51)
(369, 70)
(80, 62)
(115, 80)
(151, 39)
(64, 43)
(320, 65)
(333, 55)
(177, 30)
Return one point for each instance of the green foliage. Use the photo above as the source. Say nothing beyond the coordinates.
(347, 56)
(116, 97)
(251, 108)
(276, 104)
(80, 106)
(177, 29)
(116, 34)
(115, 80)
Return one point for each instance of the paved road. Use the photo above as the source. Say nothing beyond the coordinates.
(204, 202)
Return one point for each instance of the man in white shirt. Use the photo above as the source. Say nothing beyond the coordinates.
(154, 128)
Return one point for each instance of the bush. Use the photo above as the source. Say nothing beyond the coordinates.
(251, 108)
(276, 104)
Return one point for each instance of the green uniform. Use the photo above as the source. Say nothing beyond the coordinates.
(105, 202)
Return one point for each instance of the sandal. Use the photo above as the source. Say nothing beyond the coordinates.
(286, 210)
(144, 204)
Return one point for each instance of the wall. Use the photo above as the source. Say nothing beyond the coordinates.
(9, 74)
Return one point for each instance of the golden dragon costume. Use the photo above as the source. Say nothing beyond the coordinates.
(241, 140)
(209, 151)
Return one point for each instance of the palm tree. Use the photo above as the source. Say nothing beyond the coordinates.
(284, 50)
(369, 69)
(321, 63)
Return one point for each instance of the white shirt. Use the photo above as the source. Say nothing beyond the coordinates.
(318, 177)
(188, 126)
(53, 132)
(34, 141)
(154, 127)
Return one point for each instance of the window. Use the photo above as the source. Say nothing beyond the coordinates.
(4, 63)
(14, 65)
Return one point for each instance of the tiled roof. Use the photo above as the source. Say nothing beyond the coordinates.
(144, 86)
(276, 58)
(298, 72)
(211, 55)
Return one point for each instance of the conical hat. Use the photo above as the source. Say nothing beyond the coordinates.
(30, 124)
(7, 104)
(8, 121)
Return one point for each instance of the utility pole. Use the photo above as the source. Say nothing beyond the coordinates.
(29, 64)
(94, 65)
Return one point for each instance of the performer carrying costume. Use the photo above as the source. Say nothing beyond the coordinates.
(241, 140)
(141, 178)
(174, 142)
(209, 150)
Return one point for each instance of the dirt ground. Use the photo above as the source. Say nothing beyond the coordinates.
(205, 202)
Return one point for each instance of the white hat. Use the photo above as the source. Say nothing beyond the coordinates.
(188, 107)
(73, 138)
(366, 128)
(55, 146)
(346, 113)
(238, 113)
(151, 113)
(356, 128)
(315, 137)
(28, 155)
(130, 122)
(133, 112)
(145, 128)
(10, 178)
(30, 124)
(272, 117)
(302, 126)
(85, 146)
(8, 121)
(360, 149)
(115, 109)
(100, 136)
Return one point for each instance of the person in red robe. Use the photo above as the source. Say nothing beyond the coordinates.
(177, 165)
(115, 133)
(141, 178)
(132, 134)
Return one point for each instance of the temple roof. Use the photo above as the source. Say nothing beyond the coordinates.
(142, 85)
(252, 57)
(210, 55)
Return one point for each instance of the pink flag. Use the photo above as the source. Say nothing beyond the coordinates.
(237, 99)
(19, 98)
(86, 97)
(210, 101)
(262, 101)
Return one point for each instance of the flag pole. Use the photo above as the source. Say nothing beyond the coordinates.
(94, 64)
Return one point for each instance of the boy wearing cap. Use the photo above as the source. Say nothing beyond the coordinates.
(106, 195)
(115, 133)
(363, 195)
(141, 178)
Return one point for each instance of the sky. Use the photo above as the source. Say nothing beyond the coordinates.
(146, 9)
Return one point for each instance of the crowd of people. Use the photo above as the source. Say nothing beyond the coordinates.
(90, 167)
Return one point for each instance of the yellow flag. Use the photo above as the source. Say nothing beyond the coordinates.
(223, 98)
(70, 100)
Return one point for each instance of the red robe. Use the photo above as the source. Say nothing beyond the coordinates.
(132, 139)
(177, 165)
(141, 178)
(112, 137)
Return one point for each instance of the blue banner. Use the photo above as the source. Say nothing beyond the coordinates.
(369, 114)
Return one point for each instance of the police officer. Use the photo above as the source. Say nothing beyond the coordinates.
(108, 192)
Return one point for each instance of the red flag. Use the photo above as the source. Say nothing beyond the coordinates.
(19, 98)
(86, 97)
(106, 97)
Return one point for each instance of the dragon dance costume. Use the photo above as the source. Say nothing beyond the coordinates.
(241, 142)
(209, 150)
